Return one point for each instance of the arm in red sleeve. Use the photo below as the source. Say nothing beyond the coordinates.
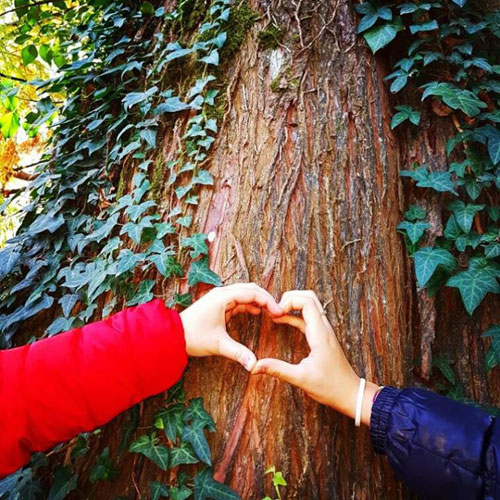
(56, 388)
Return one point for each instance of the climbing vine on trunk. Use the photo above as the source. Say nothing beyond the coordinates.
(95, 235)
(452, 61)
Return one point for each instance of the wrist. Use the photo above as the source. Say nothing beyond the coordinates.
(371, 390)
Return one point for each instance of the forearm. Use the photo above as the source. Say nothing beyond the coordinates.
(55, 388)
(435, 444)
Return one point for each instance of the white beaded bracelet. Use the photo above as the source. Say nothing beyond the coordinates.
(359, 402)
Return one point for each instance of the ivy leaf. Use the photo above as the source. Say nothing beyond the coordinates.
(494, 145)
(183, 299)
(135, 211)
(164, 228)
(64, 483)
(197, 243)
(371, 14)
(167, 265)
(158, 490)
(493, 355)
(206, 487)
(171, 105)
(464, 214)
(427, 26)
(194, 435)
(134, 230)
(46, 223)
(203, 177)
(455, 97)
(474, 285)
(414, 230)
(143, 294)
(104, 230)
(443, 364)
(149, 447)
(104, 469)
(9, 257)
(460, 3)
(149, 135)
(439, 181)
(133, 98)
(379, 37)
(183, 454)
(180, 493)
(29, 54)
(415, 212)
(278, 479)
(197, 413)
(127, 260)
(170, 420)
(60, 325)
(199, 272)
(184, 221)
(68, 301)
(405, 113)
(492, 251)
(427, 259)
(212, 58)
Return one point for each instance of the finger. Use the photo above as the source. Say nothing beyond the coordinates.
(278, 369)
(243, 308)
(311, 294)
(290, 319)
(248, 293)
(235, 351)
(314, 325)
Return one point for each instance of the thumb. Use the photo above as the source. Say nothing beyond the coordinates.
(279, 369)
(231, 349)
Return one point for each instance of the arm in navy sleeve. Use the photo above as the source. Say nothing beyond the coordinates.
(441, 448)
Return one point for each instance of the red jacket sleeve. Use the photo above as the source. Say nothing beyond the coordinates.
(56, 388)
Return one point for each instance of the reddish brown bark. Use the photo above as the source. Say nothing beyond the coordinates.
(308, 196)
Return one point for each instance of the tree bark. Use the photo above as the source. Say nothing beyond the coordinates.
(307, 195)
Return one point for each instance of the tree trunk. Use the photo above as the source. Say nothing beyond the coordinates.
(307, 195)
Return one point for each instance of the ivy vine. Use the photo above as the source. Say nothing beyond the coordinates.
(452, 59)
(102, 229)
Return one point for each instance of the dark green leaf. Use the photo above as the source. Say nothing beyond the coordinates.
(149, 447)
(194, 435)
(183, 454)
(493, 355)
(464, 214)
(379, 37)
(170, 420)
(427, 259)
(64, 483)
(104, 469)
(158, 490)
(414, 230)
(206, 487)
(199, 272)
(474, 285)
(198, 243)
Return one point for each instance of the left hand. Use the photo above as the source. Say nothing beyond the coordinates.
(205, 321)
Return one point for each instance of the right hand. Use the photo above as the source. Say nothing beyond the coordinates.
(325, 375)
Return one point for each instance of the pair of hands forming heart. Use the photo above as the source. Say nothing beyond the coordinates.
(325, 375)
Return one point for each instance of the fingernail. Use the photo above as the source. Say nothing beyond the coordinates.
(248, 362)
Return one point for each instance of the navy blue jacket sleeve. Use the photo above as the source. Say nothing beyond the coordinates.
(441, 448)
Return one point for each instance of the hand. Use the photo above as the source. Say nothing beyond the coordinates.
(205, 321)
(325, 375)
